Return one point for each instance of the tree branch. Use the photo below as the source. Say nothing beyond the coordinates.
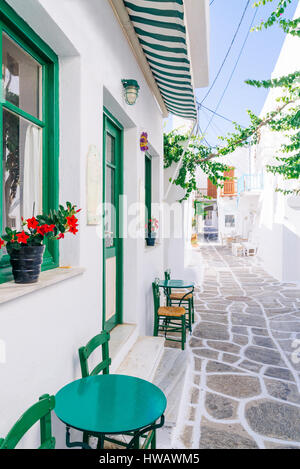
(262, 124)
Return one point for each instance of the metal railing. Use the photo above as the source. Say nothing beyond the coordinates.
(250, 182)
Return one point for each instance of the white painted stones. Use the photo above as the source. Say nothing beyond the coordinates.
(273, 419)
(241, 346)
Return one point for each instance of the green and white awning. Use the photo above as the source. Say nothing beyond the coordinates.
(160, 27)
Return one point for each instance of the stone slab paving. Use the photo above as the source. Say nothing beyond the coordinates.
(245, 384)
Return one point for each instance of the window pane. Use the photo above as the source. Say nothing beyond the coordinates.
(110, 149)
(21, 78)
(22, 170)
(110, 207)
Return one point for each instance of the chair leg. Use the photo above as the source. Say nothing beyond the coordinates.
(193, 310)
(136, 444)
(100, 444)
(190, 316)
(183, 333)
(155, 332)
(153, 441)
(166, 326)
(85, 438)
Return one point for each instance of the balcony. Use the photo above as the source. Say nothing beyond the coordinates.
(210, 191)
(250, 182)
(229, 189)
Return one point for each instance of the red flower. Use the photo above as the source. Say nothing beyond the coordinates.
(22, 237)
(32, 223)
(1, 243)
(73, 229)
(61, 236)
(77, 211)
(72, 224)
(72, 221)
(42, 230)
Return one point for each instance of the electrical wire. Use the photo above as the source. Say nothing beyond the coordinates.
(199, 131)
(213, 127)
(218, 115)
(232, 73)
(227, 53)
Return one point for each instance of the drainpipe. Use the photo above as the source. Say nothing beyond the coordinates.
(122, 15)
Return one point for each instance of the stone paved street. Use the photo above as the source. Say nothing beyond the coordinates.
(245, 384)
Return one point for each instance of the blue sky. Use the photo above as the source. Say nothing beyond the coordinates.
(257, 61)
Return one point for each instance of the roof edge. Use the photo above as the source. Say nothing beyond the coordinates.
(198, 30)
(121, 14)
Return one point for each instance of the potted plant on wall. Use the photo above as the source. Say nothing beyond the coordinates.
(151, 231)
(26, 247)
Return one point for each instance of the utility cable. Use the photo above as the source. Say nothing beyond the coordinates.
(228, 52)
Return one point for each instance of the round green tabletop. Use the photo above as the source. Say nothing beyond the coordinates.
(110, 404)
(176, 284)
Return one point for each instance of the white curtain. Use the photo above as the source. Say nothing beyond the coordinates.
(32, 182)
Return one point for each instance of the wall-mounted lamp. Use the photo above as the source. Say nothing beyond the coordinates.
(131, 91)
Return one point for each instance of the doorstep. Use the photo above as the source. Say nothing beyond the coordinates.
(122, 338)
(170, 377)
(143, 358)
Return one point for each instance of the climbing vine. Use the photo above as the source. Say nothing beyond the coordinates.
(285, 118)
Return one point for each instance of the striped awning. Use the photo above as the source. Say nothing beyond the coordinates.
(160, 27)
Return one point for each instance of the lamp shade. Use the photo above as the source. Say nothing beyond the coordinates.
(131, 91)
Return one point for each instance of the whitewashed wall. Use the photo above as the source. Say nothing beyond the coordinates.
(279, 224)
(43, 330)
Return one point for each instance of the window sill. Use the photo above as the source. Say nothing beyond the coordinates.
(10, 290)
(150, 248)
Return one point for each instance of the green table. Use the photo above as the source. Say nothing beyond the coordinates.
(176, 284)
(110, 404)
(168, 285)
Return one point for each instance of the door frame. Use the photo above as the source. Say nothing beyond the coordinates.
(118, 318)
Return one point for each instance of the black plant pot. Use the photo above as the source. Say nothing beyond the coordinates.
(26, 263)
(151, 239)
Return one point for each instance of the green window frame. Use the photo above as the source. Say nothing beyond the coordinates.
(148, 187)
(23, 35)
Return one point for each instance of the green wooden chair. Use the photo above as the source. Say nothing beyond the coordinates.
(41, 411)
(102, 339)
(186, 299)
(85, 352)
(168, 318)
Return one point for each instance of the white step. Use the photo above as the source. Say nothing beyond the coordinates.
(170, 377)
(122, 338)
(143, 358)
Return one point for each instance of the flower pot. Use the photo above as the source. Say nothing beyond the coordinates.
(151, 239)
(26, 263)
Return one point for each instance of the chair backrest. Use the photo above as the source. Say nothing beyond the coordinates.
(156, 297)
(168, 274)
(85, 352)
(41, 411)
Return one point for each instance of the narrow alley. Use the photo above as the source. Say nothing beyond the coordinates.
(245, 391)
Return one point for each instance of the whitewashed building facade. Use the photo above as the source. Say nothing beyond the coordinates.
(94, 136)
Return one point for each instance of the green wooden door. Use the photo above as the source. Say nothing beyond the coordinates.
(112, 242)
